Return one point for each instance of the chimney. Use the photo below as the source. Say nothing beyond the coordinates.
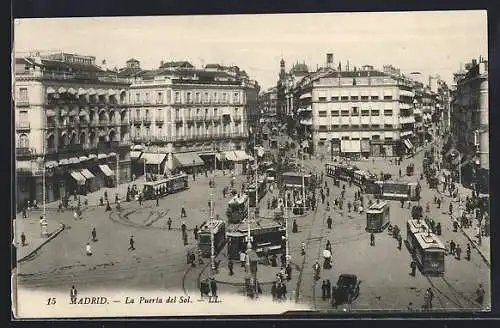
(329, 60)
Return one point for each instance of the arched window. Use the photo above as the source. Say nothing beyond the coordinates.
(112, 135)
(51, 141)
(82, 138)
(24, 141)
(63, 139)
(73, 139)
(92, 139)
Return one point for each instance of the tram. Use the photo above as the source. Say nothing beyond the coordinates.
(295, 179)
(340, 171)
(154, 189)
(218, 228)
(377, 217)
(362, 178)
(237, 209)
(400, 190)
(265, 236)
(427, 249)
(177, 182)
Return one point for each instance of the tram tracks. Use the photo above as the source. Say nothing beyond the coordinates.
(448, 292)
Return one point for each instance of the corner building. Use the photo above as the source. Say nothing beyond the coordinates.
(356, 113)
(71, 124)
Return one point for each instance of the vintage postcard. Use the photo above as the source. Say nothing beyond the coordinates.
(251, 164)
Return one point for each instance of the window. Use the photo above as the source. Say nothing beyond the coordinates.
(387, 97)
(376, 137)
(137, 98)
(335, 113)
(236, 97)
(365, 112)
(322, 113)
(354, 98)
(344, 113)
(205, 97)
(198, 97)
(188, 97)
(355, 111)
(355, 126)
(137, 113)
(169, 96)
(374, 97)
(345, 138)
(353, 81)
(322, 128)
(224, 97)
(365, 126)
(215, 97)
(344, 126)
(177, 97)
(375, 112)
(23, 116)
(159, 100)
(364, 97)
(344, 98)
(375, 126)
(334, 98)
(147, 97)
(322, 98)
(321, 143)
(387, 126)
(335, 126)
(23, 94)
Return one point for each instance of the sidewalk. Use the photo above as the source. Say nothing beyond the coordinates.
(32, 231)
(266, 274)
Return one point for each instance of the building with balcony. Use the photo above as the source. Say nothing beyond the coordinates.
(71, 122)
(470, 123)
(355, 112)
(199, 113)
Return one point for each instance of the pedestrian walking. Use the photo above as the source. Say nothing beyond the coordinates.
(480, 294)
(430, 298)
(23, 239)
(452, 247)
(458, 251)
(185, 238)
(295, 227)
(323, 290)
(372, 239)
(183, 227)
(88, 249)
(400, 241)
(94, 235)
(169, 223)
(73, 293)
(242, 259)
(328, 289)
(450, 209)
(274, 291)
(413, 267)
(183, 212)
(329, 222)
(131, 243)
(213, 287)
(157, 200)
(195, 233)
(468, 251)
(230, 267)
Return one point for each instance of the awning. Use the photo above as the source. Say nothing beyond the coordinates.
(51, 164)
(102, 156)
(137, 147)
(241, 155)
(91, 92)
(50, 90)
(122, 91)
(72, 91)
(80, 179)
(73, 112)
(153, 158)
(82, 91)
(62, 90)
(112, 154)
(230, 156)
(188, 159)
(101, 92)
(50, 113)
(305, 95)
(73, 160)
(408, 144)
(134, 154)
(83, 158)
(106, 170)
(226, 111)
(87, 174)
(92, 156)
(63, 112)
(63, 161)
(83, 112)
(111, 92)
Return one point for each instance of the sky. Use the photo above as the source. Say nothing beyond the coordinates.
(428, 42)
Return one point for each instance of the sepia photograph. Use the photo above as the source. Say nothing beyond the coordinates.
(251, 164)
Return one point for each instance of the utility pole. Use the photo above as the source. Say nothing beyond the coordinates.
(212, 241)
(117, 171)
(256, 180)
(287, 247)
(303, 180)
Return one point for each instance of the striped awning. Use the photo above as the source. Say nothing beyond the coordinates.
(112, 154)
(92, 156)
(137, 147)
(62, 90)
(134, 154)
(50, 90)
(71, 91)
(82, 91)
(73, 160)
(80, 179)
(91, 92)
(106, 170)
(101, 92)
(102, 156)
(111, 92)
(63, 161)
(83, 158)
(154, 158)
(87, 174)
(51, 164)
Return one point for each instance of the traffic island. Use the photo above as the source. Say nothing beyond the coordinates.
(34, 239)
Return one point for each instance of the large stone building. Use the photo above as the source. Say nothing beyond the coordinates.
(71, 123)
(355, 112)
(470, 124)
(183, 117)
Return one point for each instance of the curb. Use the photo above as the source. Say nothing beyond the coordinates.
(62, 226)
(485, 259)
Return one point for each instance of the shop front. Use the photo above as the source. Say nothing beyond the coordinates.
(189, 163)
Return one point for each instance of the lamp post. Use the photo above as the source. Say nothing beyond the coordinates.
(287, 247)
(117, 171)
(212, 241)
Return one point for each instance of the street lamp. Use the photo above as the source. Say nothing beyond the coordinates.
(212, 241)
(287, 247)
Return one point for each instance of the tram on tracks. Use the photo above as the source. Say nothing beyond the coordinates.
(427, 249)
(165, 186)
(177, 183)
(399, 190)
(340, 171)
(377, 217)
(237, 209)
(218, 228)
(265, 236)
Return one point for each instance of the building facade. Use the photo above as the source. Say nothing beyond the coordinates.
(470, 122)
(183, 118)
(71, 126)
(356, 113)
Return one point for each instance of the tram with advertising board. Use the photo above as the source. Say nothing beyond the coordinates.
(266, 237)
(218, 228)
(237, 209)
(154, 189)
(378, 217)
(400, 190)
(340, 171)
(177, 182)
(427, 249)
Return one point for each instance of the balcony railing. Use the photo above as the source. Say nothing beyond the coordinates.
(137, 120)
(178, 119)
(159, 119)
(23, 126)
(147, 120)
(22, 102)
(70, 76)
(23, 151)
